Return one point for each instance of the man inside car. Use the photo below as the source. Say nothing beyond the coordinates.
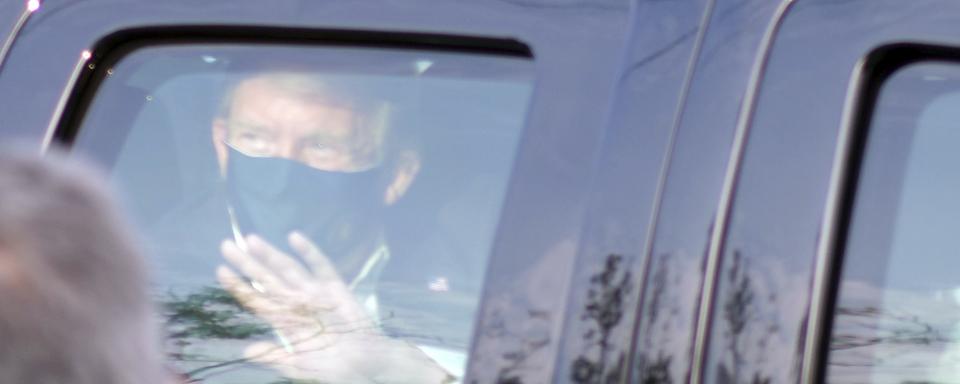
(309, 165)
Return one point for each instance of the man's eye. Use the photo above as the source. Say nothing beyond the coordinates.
(318, 147)
(252, 141)
(252, 138)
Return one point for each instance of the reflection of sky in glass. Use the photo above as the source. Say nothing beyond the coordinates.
(925, 253)
(924, 256)
(900, 273)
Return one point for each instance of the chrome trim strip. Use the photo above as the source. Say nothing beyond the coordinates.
(824, 264)
(726, 198)
(665, 162)
(62, 103)
(8, 43)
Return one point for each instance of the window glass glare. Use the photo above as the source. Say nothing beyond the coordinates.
(312, 214)
(897, 318)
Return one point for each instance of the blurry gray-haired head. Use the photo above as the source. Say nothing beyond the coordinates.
(74, 306)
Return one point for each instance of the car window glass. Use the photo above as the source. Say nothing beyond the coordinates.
(897, 317)
(321, 214)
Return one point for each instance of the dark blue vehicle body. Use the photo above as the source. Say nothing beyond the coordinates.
(668, 144)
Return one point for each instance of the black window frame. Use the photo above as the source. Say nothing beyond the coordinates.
(81, 92)
(112, 48)
(878, 66)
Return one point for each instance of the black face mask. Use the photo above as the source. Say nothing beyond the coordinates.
(271, 197)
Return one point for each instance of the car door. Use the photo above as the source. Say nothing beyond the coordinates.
(842, 184)
(112, 80)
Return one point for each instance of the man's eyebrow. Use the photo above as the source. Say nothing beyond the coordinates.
(324, 137)
(248, 126)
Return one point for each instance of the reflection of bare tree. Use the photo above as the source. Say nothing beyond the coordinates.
(741, 320)
(737, 312)
(518, 358)
(516, 339)
(869, 328)
(210, 313)
(213, 314)
(604, 310)
(655, 370)
(896, 329)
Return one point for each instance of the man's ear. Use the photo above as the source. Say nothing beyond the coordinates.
(219, 133)
(405, 172)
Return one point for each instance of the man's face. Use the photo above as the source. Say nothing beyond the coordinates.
(266, 120)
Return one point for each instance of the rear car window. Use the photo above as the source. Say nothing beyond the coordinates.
(315, 214)
(897, 314)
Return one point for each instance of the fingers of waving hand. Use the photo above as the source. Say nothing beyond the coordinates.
(265, 265)
(290, 313)
(322, 268)
(282, 265)
(243, 291)
(250, 266)
(332, 291)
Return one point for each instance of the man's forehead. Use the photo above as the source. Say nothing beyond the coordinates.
(307, 106)
(308, 92)
(259, 102)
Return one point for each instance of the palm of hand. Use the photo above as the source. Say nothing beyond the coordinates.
(324, 334)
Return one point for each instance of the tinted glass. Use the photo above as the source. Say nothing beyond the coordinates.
(312, 213)
(897, 317)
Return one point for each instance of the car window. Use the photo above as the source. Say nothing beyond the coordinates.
(316, 214)
(897, 314)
